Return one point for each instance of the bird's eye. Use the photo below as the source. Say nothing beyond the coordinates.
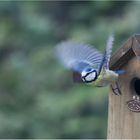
(89, 69)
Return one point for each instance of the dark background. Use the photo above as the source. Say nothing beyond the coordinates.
(38, 98)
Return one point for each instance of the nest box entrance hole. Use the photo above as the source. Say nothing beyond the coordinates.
(136, 85)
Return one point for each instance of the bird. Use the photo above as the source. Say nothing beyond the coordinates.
(90, 63)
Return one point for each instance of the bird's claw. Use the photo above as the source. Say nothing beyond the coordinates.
(116, 89)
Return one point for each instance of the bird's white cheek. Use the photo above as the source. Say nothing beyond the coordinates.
(90, 77)
(83, 73)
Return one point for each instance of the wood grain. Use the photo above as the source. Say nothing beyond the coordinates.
(129, 49)
(123, 123)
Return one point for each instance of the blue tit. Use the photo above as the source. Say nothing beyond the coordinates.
(92, 65)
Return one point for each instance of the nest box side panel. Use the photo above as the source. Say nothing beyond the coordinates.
(123, 123)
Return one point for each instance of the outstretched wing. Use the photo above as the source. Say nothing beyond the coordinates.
(102, 63)
(108, 51)
(77, 56)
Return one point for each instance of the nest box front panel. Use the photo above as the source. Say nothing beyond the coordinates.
(129, 82)
(120, 115)
(124, 110)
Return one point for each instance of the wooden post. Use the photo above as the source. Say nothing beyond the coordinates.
(122, 122)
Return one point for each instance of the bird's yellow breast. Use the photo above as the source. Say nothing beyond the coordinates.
(105, 78)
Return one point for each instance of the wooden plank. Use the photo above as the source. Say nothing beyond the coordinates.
(123, 123)
(129, 49)
(118, 59)
(136, 46)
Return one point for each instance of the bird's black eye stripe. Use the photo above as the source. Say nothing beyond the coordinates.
(96, 76)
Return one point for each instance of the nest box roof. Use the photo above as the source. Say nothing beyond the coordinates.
(129, 49)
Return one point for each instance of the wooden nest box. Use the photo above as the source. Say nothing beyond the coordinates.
(124, 110)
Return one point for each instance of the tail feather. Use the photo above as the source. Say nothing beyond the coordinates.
(120, 72)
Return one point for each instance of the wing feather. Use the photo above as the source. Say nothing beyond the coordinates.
(109, 47)
(72, 55)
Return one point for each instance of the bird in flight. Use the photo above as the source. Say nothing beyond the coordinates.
(88, 62)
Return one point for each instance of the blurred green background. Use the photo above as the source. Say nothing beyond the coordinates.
(38, 98)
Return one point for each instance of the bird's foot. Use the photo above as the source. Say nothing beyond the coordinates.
(116, 88)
